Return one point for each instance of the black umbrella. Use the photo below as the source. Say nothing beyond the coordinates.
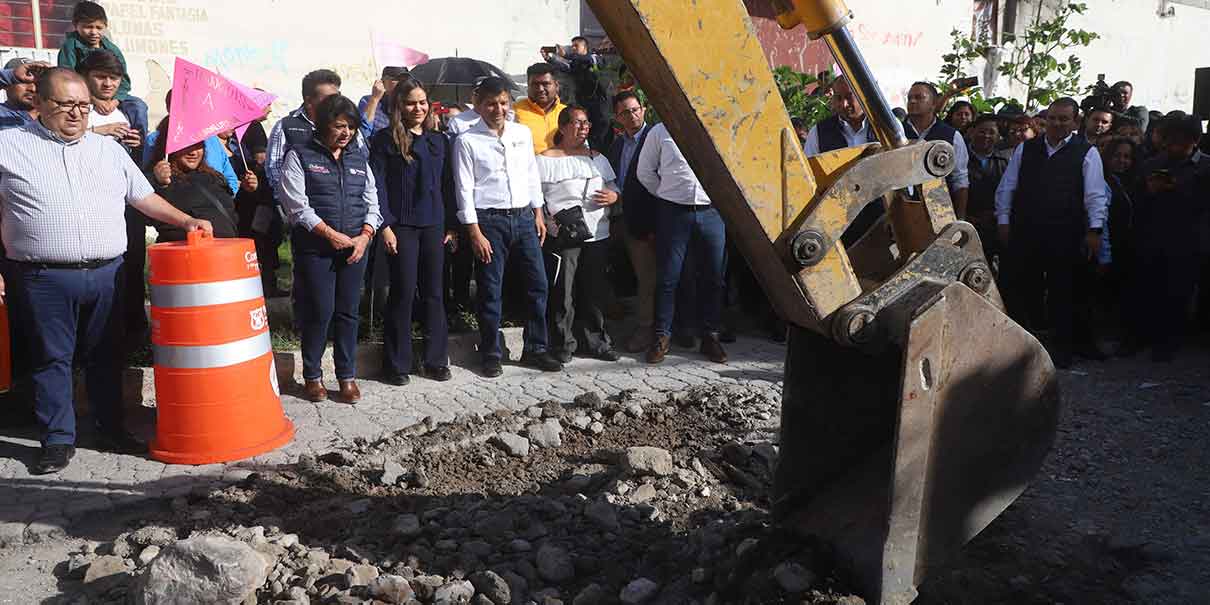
(451, 79)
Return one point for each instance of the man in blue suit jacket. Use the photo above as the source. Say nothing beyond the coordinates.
(638, 212)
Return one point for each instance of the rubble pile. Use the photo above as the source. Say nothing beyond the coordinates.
(636, 499)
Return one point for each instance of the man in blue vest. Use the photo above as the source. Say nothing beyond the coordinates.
(298, 128)
(922, 123)
(1050, 208)
(846, 128)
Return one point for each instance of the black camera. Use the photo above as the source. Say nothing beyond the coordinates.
(1101, 97)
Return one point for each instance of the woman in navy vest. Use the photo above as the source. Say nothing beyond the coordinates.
(410, 163)
(332, 205)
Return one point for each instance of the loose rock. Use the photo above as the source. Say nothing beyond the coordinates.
(454, 592)
(546, 434)
(639, 591)
(202, 569)
(392, 589)
(554, 564)
(491, 585)
(792, 577)
(513, 445)
(391, 473)
(148, 555)
(648, 461)
(593, 594)
(407, 526)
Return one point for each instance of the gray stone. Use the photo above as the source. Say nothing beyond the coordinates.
(451, 593)
(513, 445)
(361, 575)
(546, 434)
(581, 422)
(554, 564)
(644, 493)
(407, 526)
(392, 589)
(593, 594)
(646, 460)
(700, 575)
(154, 535)
(391, 473)
(286, 540)
(520, 545)
(148, 555)
(603, 514)
(517, 585)
(634, 409)
(589, 399)
(202, 569)
(792, 577)
(492, 586)
(533, 411)
(639, 591)
(426, 586)
(106, 572)
(596, 428)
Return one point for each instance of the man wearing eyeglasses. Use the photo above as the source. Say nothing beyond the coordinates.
(63, 193)
(635, 224)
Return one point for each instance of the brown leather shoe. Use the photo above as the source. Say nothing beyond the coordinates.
(658, 350)
(713, 349)
(314, 390)
(349, 393)
(640, 341)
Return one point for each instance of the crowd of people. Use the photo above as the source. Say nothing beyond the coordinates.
(555, 205)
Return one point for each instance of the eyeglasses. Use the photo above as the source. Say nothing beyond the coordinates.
(633, 111)
(581, 123)
(66, 106)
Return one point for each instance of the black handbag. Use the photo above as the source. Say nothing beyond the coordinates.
(572, 228)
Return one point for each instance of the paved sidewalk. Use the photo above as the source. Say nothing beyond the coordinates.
(32, 506)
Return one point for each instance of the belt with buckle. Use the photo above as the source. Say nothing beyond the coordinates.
(88, 264)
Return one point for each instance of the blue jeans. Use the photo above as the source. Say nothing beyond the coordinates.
(65, 312)
(416, 276)
(327, 292)
(682, 230)
(511, 232)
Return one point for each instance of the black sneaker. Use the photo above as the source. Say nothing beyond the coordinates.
(121, 442)
(492, 368)
(438, 373)
(562, 356)
(607, 355)
(53, 458)
(394, 378)
(542, 361)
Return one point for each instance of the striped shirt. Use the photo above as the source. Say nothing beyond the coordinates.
(65, 202)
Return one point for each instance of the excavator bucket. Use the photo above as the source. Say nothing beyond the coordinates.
(914, 410)
(898, 457)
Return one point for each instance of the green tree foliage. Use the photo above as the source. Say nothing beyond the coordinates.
(1041, 60)
(793, 85)
(1036, 61)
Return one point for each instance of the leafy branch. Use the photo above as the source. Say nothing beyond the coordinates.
(792, 85)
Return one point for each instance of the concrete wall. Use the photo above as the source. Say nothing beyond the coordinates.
(902, 45)
(271, 43)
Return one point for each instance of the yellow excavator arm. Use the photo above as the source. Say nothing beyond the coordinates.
(914, 410)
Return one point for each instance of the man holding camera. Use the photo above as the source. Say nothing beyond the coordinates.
(1051, 207)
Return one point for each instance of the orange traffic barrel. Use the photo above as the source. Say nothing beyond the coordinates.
(6, 351)
(216, 389)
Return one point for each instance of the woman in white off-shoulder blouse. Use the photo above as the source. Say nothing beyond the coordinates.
(575, 176)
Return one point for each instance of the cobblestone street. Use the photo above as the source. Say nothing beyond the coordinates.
(33, 507)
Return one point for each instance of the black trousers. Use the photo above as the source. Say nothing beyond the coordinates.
(134, 290)
(1165, 284)
(576, 296)
(1040, 271)
(416, 274)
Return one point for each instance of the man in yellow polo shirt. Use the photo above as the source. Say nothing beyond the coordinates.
(540, 112)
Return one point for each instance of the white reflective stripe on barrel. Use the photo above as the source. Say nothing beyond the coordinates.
(201, 295)
(213, 356)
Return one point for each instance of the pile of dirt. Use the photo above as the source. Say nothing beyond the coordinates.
(632, 499)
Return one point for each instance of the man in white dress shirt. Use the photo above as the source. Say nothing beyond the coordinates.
(685, 219)
(499, 196)
(1050, 208)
